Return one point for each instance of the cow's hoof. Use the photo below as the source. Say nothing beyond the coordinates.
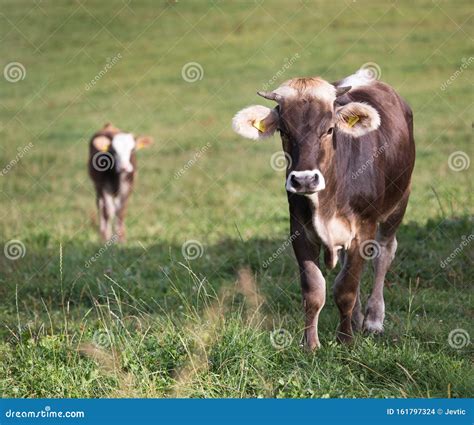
(311, 348)
(310, 344)
(374, 317)
(373, 326)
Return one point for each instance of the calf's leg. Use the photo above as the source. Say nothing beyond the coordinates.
(106, 215)
(120, 224)
(121, 200)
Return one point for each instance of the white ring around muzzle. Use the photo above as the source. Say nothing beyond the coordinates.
(306, 173)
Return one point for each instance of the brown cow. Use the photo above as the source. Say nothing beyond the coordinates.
(112, 168)
(351, 153)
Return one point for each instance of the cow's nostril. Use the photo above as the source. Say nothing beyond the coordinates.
(294, 182)
(316, 177)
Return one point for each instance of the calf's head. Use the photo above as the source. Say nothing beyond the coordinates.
(121, 146)
(308, 118)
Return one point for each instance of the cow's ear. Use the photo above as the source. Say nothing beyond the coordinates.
(357, 118)
(143, 142)
(110, 128)
(255, 122)
(101, 143)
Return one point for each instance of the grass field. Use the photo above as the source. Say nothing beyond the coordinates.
(142, 320)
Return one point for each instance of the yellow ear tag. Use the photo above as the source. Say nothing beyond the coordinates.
(101, 143)
(352, 120)
(259, 125)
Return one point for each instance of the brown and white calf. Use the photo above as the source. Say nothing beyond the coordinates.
(112, 168)
(350, 152)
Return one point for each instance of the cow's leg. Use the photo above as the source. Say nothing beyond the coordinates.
(122, 201)
(346, 286)
(357, 315)
(106, 215)
(313, 284)
(387, 246)
(120, 224)
(375, 312)
(120, 229)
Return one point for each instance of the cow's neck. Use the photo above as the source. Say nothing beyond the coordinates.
(332, 227)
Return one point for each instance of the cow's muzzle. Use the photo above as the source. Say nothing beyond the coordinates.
(123, 167)
(305, 182)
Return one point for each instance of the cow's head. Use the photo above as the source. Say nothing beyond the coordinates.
(308, 119)
(121, 146)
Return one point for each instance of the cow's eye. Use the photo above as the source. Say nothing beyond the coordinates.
(330, 130)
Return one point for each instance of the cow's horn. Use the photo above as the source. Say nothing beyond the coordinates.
(270, 95)
(342, 90)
